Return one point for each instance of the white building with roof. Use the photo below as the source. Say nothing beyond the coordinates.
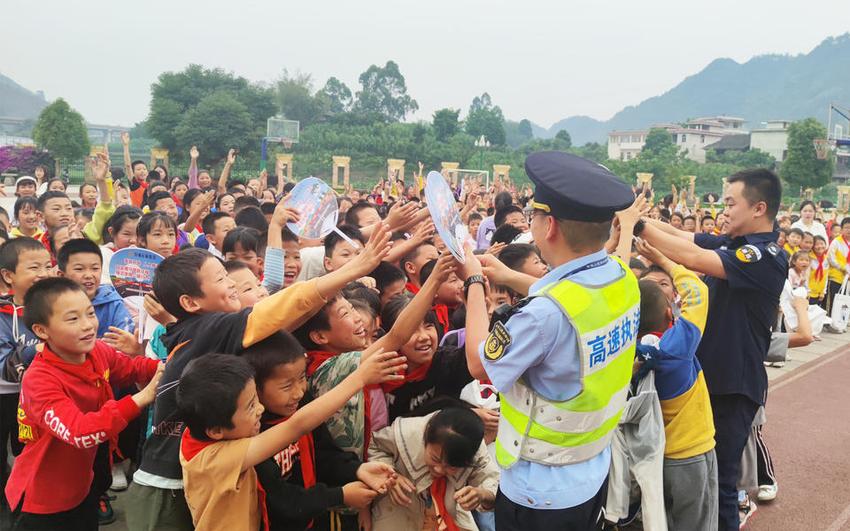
(692, 137)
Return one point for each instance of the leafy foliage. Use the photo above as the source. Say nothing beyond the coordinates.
(446, 123)
(802, 168)
(384, 92)
(61, 131)
(486, 119)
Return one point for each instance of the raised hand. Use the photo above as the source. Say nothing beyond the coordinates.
(376, 250)
(284, 214)
(469, 498)
(379, 367)
(193, 153)
(148, 394)
(124, 341)
(231, 156)
(401, 215)
(100, 166)
(125, 138)
(156, 310)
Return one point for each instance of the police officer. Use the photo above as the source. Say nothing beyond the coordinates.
(562, 362)
(746, 271)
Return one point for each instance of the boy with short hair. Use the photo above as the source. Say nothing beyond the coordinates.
(216, 226)
(194, 288)
(338, 251)
(690, 464)
(412, 264)
(312, 474)
(246, 245)
(67, 413)
(217, 395)
(54, 210)
(23, 262)
(81, 261)
(795, 237)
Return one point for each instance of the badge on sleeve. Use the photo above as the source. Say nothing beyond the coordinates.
(748, 254)
(773, 249)
(498, 340)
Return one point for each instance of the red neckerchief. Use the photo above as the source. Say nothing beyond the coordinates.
(12, 308)
(438, 494)
(93, 372)
(442, 312)
(819, 269)
(412, 288)
(316, 358)
(308, 455)
(190, 447)
(416, 375)
(847, 256)
(45, 241)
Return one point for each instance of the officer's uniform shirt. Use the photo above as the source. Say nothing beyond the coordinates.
(742, 311)
(542, 349)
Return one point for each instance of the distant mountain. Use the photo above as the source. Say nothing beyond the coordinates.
(766, 87)
(18, 102)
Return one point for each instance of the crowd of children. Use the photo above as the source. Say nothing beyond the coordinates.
(290, 384)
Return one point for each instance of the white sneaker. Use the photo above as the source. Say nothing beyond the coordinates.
(768, 492)
(119, 478)
(746, 512)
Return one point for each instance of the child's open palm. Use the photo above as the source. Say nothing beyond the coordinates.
(379, 366)
(380, 477)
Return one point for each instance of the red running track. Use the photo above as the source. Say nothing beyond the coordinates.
(808, 433)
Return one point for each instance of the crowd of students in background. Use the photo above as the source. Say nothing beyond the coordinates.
(286, 383)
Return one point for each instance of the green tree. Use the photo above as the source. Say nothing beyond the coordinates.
(217, 123)
(592, 151)
(338, 95)
(486, 119)
(296, 100)
(62, 132)
(384, 92)
(802, 168)
(564, 137)
(175, 94)
(446, 123)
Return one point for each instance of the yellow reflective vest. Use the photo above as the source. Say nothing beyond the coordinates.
(606, 319)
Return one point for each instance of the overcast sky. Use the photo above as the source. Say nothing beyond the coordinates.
(542, 60)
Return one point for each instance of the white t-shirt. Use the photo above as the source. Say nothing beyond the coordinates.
(816, 228)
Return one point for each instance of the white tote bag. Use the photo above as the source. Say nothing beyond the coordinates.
(840, 313)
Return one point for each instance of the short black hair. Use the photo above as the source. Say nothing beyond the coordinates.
(502, 200)
(502, 213)
(704, 219)
(136, 163)
(760, 184)
(459, 432)
(76, 246)
(21, 202)
(358, 292)
(635, 263)
(248, 238)
(845, 221)
(505, 234)
(179, 275)
(40, 298)
(393, 308)
(47, 196)
(287, 235)
(208, 225)
(319, 321)
(244, 202)
(474, 216)
(653, 308)
(149, 221)
(156, 197)
(655, 269)
(412, 255)
(280, 348)
(267, 208)
(386, 274)
(208, 392)
(122, 215)
(515, 254)
(12, 249)
(677, 215)
(333, 238)
(252, 217)
(427, 269)
(353, 213)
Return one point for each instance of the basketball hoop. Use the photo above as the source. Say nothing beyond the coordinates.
(287, 143)
(821, 148)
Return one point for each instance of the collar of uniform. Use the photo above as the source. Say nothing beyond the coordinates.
(555, 274)
(761, 237)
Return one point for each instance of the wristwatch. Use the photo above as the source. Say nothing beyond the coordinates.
(473, 279)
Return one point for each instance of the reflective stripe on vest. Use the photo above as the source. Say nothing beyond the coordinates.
(606, 320)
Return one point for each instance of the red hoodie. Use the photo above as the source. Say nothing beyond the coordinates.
(65, 412)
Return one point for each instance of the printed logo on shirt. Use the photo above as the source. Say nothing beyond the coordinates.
(498, 340)
(287, 458)
(748, 254)
(25, 431)
(773, 249)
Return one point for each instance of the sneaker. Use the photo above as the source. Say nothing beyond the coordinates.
(745, 512)
(105, 514)
(119, 478)
(768, 492)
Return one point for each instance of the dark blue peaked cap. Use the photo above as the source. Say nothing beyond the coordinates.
(570, 187)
